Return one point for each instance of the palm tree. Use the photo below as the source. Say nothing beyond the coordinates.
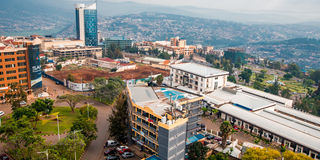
(226, 130)
(204, 110)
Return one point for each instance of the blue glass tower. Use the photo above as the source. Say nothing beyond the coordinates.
(86, 24)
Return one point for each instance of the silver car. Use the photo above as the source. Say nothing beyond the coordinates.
(127, 155)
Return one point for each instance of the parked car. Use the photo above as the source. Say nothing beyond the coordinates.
(22, 103)
(111, 143)
(127, 155)
(110, 151)
(235, 127)
(4, 157)
(228, 142)
(113, 157)
(217, 139)
(209, 137)
(1, 113)
(120, 148)
(124, 150)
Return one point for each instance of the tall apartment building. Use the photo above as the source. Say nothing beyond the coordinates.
(161, 119)
(198, 77)
(20, 63)
(86, 24)
(78, 52)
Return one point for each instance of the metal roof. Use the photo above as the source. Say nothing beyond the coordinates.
(286, 131)
(198, 69)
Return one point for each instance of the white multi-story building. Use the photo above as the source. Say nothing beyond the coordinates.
(200, 78)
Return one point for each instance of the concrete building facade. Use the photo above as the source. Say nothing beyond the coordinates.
(198, 77)
(160, 119)
(78, 52)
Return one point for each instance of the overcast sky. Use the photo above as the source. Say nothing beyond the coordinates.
(298, 6)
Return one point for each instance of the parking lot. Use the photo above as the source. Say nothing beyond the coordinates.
(132, 148)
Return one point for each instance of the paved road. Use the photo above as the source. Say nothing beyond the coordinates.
(96, 148)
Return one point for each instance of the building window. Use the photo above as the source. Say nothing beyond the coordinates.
(276, 139)
(9, 59)
(1, 66)
(2, 85)
(265, 135)
(1, 79)
(22, 75)
(299, 150)
(20, 52)
(8, 53)
(23, 81)
(10, 65)
(11, 72)
(22, 69)
(11, 78)
(21, 58)
(1, 73)
(22, 64)
(0, 60)
(255, 130)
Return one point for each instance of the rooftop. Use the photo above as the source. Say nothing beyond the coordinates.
(198, 69)
(294, 133)
(158, 99)
(237, 97)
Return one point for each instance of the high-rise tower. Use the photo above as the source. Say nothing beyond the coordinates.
(86, 24)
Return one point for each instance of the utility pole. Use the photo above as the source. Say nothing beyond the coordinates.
(58, 127)
(74, 138)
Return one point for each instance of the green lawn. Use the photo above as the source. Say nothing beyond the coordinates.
(66, 117)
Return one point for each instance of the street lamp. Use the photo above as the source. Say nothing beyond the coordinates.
(45, 152)
(75, 152)
(88, 109)
(58, 127)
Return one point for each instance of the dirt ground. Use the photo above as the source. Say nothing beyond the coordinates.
(87, 74)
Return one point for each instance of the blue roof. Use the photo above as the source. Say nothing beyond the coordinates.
(154, 157)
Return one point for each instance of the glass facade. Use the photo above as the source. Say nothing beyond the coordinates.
(77, 24)
(35, 67)
(91, 29)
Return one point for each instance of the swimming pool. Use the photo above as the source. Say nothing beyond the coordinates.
(175, 95)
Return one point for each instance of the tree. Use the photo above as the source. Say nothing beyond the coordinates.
(89, 109)
(307, 83)
(197, 151)
(19, 138)
(181, 56)
(114, 52)
(258, 85)
(71, 78)
(231, 78)
(287, 76)
(24, 111)
(204, 110)
(15, 95)
(174, 54)
(219, 156)
(315, 76)
(191, 57)
(245, 75)
(58, 67)
(88, 128)
(159, 79)
(119, 120)
(294, 69)
(286, 93)
(164, 55)
(107, 92)
(43, 105)
(72, 100)
(263, 74)
(274, 88)
(226, 130)
(67, 146)
(261, 154)
(289, 155)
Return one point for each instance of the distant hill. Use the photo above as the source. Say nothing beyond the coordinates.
(23, 17)
(303, 51)
(159, 26)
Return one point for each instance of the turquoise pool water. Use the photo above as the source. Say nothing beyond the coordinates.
(175, 95)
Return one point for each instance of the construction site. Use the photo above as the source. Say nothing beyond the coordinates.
(87, 74)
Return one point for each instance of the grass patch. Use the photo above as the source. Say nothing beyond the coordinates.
(66, 118)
